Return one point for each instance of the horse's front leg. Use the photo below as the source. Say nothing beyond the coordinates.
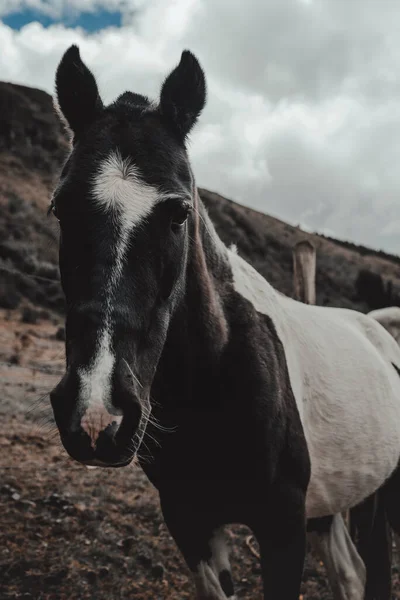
(203, 546)
(281, 535)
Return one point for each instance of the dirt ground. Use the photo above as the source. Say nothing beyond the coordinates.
(67, 532)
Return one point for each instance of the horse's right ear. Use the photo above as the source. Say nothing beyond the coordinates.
(76, 91)
(183, 94)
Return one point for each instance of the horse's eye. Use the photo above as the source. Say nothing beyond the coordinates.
(180, 216)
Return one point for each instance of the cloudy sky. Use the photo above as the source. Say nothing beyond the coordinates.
(303, 116)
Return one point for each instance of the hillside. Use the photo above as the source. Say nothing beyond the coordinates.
(32, 147)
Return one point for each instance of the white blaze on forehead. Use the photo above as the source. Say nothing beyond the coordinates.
(119, 187)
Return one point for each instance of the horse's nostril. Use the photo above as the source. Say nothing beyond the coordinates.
(106, 439)
(97, 420)
(110, 431)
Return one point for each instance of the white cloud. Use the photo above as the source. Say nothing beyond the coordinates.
(303, 118)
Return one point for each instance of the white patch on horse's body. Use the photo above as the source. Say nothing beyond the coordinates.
(345, 569)
(389, 318)
(207, 577)
(346, 389)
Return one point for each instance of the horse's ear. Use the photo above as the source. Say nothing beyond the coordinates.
(76, 90)
(183, 94)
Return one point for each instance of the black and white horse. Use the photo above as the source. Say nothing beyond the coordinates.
(368, 524)
(255, 408)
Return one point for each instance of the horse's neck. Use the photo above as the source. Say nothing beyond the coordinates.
(199, 329)
(208, 272)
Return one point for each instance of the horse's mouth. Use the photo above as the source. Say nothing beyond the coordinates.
(96, 463)
(105, 453)
(103, 460)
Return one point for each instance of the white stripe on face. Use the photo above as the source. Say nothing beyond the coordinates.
(117, 190)
(95, 390)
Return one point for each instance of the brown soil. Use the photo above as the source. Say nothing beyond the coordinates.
(67, 532)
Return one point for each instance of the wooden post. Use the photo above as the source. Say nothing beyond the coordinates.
(304, 269)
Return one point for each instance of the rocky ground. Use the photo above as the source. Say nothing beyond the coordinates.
(67, 532)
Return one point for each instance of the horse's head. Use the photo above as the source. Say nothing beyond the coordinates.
(123, 202)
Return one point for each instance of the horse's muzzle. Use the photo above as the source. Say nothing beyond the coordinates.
(96, 435)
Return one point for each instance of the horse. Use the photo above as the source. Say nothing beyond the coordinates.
(367, 521)
(254, 408)
(389, 318)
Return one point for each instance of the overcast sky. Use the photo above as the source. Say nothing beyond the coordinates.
(303, 115)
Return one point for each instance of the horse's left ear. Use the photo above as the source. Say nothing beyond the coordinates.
(183, 94)
(77, 94)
